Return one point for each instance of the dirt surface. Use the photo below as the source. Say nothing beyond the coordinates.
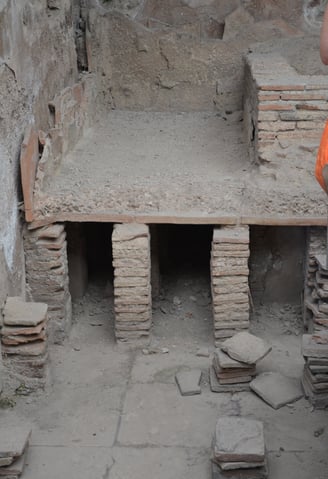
(113, 413)
(181, 165)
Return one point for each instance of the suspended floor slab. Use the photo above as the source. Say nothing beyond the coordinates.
(176, 168)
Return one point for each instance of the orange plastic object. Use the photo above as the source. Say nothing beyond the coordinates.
(322, 158)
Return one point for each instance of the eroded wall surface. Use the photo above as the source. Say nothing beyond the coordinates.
(37, 58)
(186, 54)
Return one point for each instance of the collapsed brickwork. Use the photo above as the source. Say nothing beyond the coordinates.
(229, 281)
(47, 279)
(132, 282)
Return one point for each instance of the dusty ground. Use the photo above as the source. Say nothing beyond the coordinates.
(118, 414)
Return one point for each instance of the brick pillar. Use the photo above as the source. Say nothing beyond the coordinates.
(229, 280)
(132, 286)
(47, 278)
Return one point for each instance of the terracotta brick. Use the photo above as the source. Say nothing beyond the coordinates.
(320, 106)
(269, 97)
(276, 107)
(287, 87)
(322, 95)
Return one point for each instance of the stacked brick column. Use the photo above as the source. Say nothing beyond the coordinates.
(47, 275)
(315, 312)
(132, 282)
(229, 280)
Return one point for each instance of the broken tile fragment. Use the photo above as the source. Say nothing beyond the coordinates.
(239, 439)
(188, 382)
(246, 347)
(276, 389)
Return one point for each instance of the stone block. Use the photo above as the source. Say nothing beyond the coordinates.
(239, 439)
(246, 347)
(19, 313)
(276, 389)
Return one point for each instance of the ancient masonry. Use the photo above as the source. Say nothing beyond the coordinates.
(47, 278)
(229, 280)
(281, 105)
(315, 309)
(24, 341)
(132, 282)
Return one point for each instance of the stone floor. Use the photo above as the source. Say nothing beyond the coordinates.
(115, 414)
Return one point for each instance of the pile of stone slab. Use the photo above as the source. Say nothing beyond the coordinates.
(315, 373)
(13, 448)
(239, 449)
(234, 364)
(24, 340)
(316, 304)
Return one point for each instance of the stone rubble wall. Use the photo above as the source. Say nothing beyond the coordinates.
(229, 281)
(281, 105)
(314, 292)
(132, 282)
(47, 278)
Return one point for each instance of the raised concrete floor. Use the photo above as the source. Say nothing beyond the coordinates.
(179, 168)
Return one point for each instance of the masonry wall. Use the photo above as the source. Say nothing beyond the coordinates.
(37, 57)
(281, 106)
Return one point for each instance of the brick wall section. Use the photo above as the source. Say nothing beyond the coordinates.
(229, 280)
(132, 283)
(281, 105)
(47, 278)
(316, 245)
